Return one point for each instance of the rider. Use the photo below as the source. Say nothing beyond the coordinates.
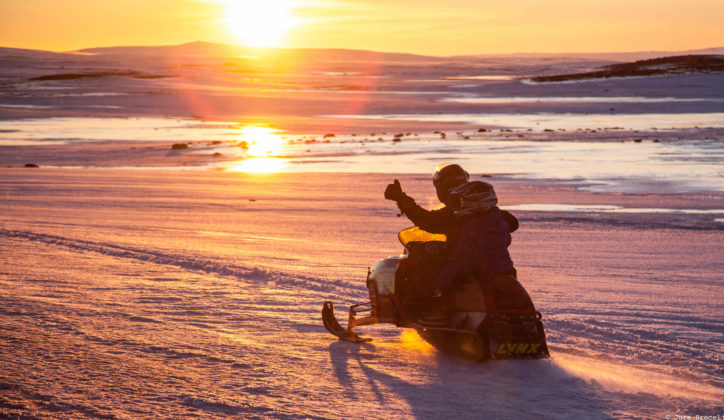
(478, 232)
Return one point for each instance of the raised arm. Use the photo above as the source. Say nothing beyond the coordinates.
(434, 221)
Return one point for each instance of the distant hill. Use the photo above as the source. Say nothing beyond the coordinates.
(214, 50)
(22, 53)
(681, 64)
(218, 50)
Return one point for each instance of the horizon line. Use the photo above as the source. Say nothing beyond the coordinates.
(374, 51)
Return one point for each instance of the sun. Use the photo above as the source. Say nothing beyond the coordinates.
(260, 23)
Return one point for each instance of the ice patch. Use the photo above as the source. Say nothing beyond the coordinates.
(481, 77)
(567, 121)
(585, 208)
(623, 162)
(29, 131)
(339, 73)
(20, 106)
(576, 99)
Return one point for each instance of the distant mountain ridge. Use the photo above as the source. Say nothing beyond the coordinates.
(609, 56)
(674, 65)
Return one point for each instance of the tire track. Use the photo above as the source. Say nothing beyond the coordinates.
(207, 266)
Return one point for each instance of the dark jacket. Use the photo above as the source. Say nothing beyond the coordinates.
(442, 220)
(477, 244)
(480, 249)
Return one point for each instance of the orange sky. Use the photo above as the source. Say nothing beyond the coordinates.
(434, 27)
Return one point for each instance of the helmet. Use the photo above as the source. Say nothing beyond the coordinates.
(474, 197)
(447, 176)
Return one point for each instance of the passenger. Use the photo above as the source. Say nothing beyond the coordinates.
(481, 248)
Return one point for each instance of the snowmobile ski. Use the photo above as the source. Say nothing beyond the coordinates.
(334, 327)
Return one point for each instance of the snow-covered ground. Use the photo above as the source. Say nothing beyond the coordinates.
(143, 280)
(141, 293)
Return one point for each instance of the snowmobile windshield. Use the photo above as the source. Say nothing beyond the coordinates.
(415, 234)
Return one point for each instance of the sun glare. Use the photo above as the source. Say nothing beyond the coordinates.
(262, 147)
(261, 141)
(268, 165)
(262, 23)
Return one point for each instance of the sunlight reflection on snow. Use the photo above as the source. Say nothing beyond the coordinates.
(619, 377)
(412, 341)
(260, 165)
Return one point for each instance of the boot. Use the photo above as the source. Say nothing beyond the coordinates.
(437, 313)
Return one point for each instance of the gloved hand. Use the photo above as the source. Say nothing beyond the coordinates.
(394, 191)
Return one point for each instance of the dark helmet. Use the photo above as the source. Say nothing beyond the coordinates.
(447, 176)
(473, 197)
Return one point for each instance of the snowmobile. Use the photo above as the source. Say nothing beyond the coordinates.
(482, 319)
